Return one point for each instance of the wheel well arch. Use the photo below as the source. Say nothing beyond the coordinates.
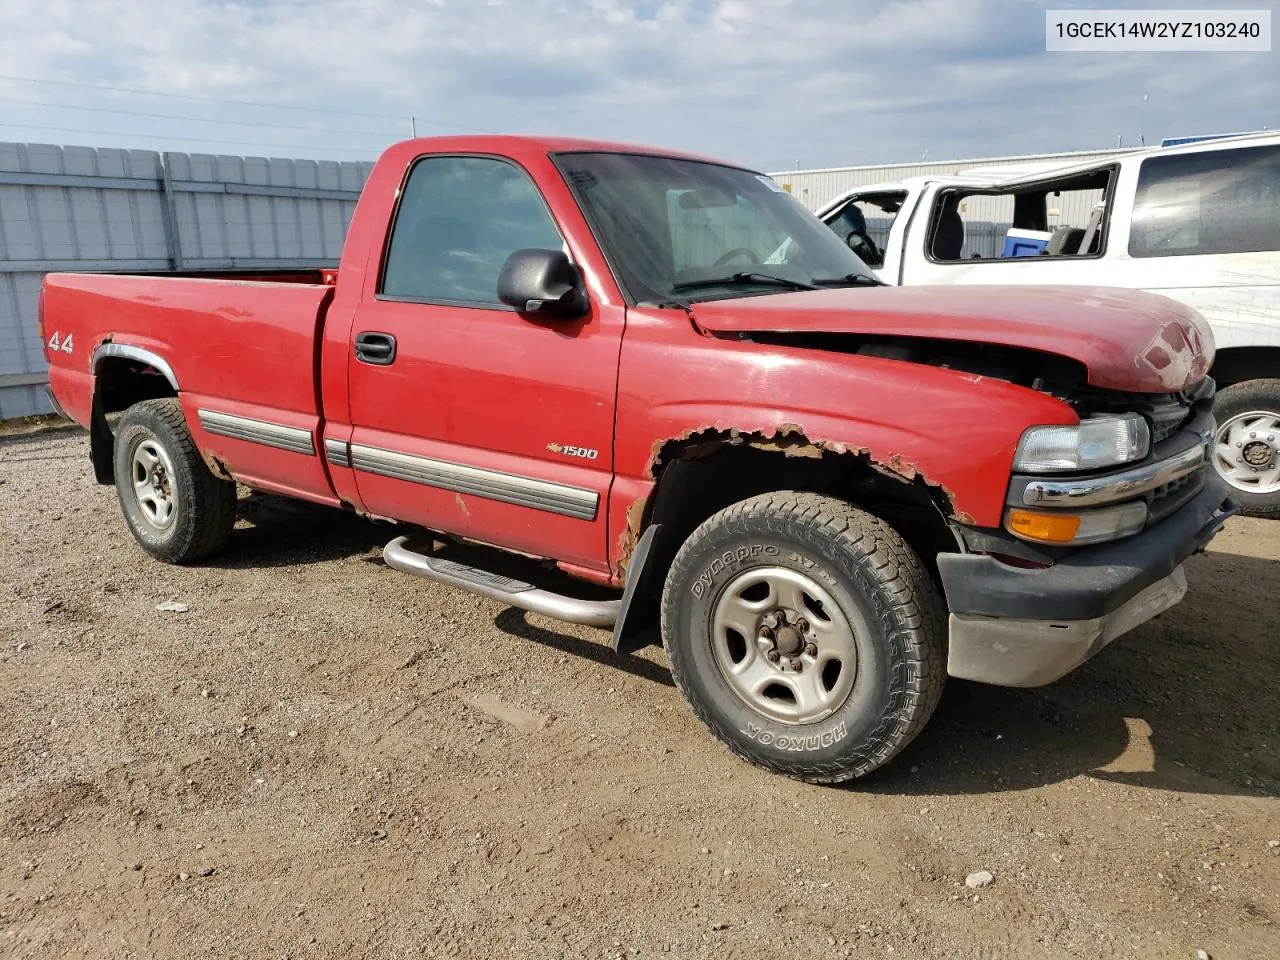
(1232, 365)
(702, 474)
(122, 376)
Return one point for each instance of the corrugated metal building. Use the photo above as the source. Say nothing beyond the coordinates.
(815, 188)
(77, 208)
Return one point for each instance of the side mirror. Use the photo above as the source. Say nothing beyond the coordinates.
(542, 281)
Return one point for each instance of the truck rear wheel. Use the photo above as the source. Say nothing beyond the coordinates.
(175, 507)
(1246, 450)
(805, 634)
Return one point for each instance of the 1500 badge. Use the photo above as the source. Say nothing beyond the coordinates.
(582, 453)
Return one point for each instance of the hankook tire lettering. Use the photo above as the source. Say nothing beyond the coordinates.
(817, 741)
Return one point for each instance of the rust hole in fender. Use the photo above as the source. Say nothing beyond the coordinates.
(217, 466)
(790, 440)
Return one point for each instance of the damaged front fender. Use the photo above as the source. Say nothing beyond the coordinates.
(946, 436)
(788, 441)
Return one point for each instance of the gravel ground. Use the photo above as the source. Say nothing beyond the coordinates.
(322, 757)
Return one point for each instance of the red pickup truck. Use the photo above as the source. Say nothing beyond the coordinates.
(660, 374)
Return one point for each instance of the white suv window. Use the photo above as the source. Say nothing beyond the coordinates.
(864, 224)
(1223, 201)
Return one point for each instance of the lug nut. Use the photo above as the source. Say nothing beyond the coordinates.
(811, 649)
(773, 656)
(802, 625)
(1253, 436)
(766, 633)
(796, 664)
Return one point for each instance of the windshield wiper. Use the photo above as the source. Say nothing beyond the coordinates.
(745, 277)
(856, 278)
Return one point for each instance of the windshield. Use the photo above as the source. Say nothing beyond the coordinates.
(680, 230)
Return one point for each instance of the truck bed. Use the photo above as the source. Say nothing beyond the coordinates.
(237, 345)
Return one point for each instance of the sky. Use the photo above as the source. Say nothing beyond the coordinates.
(773, 84)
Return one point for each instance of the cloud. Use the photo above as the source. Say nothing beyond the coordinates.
(772, 84)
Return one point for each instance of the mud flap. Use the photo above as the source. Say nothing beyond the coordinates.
(629, 633)
(102, 444)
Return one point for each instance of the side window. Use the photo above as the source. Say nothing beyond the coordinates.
(1053, 218)
(864, 225)
(1224, 201)
(459, 219)
(970, 226)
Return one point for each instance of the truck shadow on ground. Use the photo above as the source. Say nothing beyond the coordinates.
(514, 622)
(277, 531)
(274, 531)
(1185, 703)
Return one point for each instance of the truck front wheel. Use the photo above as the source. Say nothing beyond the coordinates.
(805, 634)
(175, 507)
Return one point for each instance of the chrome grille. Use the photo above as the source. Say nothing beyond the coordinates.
(1171, 488)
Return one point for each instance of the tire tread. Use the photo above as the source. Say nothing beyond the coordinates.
(209, 500)
(907, 604)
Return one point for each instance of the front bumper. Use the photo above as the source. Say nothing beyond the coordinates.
(1020, 627)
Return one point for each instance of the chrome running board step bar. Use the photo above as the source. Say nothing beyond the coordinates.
(517, 593)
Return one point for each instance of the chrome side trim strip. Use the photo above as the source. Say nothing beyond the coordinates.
(517, 593)
(491, 484)
(1089, 491)
(130, 352)
(293, 439)
(335, 451)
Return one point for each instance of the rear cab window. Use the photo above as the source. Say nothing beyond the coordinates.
(1214, 202)
(458, 220)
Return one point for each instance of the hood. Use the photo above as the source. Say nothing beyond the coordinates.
(1128, 340)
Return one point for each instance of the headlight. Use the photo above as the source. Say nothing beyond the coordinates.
(1094, 443)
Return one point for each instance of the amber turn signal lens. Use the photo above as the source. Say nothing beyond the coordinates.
(1043, 527)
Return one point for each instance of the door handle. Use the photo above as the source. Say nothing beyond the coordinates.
(376, 348)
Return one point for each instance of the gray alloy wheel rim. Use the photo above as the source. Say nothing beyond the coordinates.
(1246, 452)
(783, 645)
(153, 481)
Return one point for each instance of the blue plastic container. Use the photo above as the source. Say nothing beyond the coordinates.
(1024, 243)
